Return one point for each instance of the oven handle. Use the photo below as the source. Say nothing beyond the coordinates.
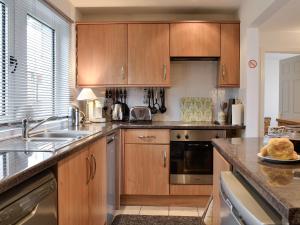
(206, 145)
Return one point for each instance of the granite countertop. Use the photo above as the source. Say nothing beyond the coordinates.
(17, 166)
(279, 184)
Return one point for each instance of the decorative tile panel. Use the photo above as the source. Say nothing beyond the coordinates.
(196, 109)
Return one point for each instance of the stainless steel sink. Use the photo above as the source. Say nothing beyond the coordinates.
(51, 135)
(49, 139)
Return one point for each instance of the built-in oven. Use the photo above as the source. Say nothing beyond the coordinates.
(191, 156)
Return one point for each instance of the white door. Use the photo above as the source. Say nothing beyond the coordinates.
(289, 88)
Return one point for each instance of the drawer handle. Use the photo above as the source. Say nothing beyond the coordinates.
(147, 137)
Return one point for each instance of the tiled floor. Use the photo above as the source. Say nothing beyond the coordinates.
(160, 211)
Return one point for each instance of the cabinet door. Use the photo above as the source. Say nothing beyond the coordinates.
(148, 55)
(220, 164)
(146, 169)
(195, 40)
(97, 186)
(229, 75)
(101, 54)
(72, 178)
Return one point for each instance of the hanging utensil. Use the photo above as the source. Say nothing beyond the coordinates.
(149, 99)
(163, 108)
(153, 108)
(156, 105)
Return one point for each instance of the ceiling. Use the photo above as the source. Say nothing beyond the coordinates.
(208, 6)
(286, 18)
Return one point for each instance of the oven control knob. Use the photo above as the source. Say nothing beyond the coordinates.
(186, 136)
(178, 136)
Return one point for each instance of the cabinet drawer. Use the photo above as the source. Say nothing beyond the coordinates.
(151, 136)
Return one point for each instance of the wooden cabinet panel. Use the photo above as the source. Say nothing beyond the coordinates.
(229, 75)
(147, 136)
(73, 190)
(97, 186)
(190, 189)
(220, 164)
(195, 40)
(146, 169)
(148, 55)
(101, 54)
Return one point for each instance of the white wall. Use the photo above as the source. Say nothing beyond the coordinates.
(103, 16)
(65, 7)
(252, 13)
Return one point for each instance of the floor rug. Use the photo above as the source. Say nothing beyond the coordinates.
(155, 220)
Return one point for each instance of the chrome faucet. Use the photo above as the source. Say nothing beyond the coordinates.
(26, 129)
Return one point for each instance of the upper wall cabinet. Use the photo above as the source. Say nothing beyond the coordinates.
(195, 40)
(148, 55)
(101, 54)
(229, 75)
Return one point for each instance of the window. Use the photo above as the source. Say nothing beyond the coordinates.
(3, 57)
(40, 65)
(35, 61)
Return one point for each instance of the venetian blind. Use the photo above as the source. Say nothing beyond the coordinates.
(39, 80)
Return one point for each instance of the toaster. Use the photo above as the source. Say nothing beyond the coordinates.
(140, 113)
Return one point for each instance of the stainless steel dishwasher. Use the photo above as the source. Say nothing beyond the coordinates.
(242, 205)
(32, 203)
(112, 179)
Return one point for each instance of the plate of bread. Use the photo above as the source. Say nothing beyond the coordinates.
(279, 150)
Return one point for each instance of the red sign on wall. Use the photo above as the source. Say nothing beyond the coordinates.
(252, 63)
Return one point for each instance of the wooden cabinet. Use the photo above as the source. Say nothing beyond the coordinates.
(73, 190)
(146, 169)
(82, 186)
(146, 161)
(220, 164)
(101, 54)
(229, 74)
(195, 40)
(148, 55)
(98, 184)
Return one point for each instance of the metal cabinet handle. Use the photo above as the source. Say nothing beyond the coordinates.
(93, 166)
(223, 71)
(123, 73)
(88, 169)
(165, 158)
(147, 137)
(165, 71)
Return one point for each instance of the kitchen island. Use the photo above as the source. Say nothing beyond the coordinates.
(278, 184)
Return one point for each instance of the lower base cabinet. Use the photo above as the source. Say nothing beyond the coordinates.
(220, 164)
(146, 169)
(82, 186)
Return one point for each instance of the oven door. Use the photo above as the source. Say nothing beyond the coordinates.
(191, 162)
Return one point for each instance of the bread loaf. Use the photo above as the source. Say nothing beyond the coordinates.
(279, 148)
